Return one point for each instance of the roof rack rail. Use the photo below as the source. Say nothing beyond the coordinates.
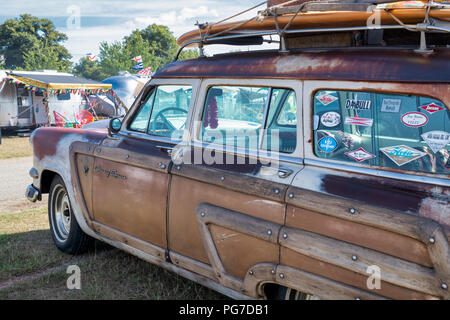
(232, 34)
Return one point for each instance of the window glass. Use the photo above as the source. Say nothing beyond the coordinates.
(281, 133)
(233, 116)
(393, 131)
(140, 122)
(63, 96)
(170, 110)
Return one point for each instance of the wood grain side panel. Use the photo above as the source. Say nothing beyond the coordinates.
(366, 236)
(187, 194)
(302, 262)
(135, 205)
(239, 252)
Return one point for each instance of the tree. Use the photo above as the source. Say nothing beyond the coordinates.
(155, 44)
(32, 43)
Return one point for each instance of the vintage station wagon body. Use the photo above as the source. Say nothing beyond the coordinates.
(354, 188)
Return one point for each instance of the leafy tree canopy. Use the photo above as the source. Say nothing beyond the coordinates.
(155, 44)
(31, 43)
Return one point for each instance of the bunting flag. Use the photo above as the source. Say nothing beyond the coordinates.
(12, 80)
(92, 58)
(139, 66)
(138, 59)
(145, 72)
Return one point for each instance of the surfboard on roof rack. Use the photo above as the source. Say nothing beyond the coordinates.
(295, 17)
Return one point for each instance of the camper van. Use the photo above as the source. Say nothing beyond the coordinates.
(29, 99)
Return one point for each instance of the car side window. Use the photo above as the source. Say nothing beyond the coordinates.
(281, 132)
(234, 116)
(140, 121)
(164, 112)
(170, 111)
(393, 131)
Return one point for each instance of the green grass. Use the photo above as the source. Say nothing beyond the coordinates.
(26, 248)
(15, 147)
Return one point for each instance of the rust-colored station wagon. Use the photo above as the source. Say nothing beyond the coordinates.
(319, 170)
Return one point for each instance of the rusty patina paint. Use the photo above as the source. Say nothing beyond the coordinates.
(321, 64)
(45, 140)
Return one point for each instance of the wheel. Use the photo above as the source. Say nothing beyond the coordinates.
(284, 293)
(64, 228)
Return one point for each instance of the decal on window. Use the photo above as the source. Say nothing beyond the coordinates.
(414, 119)
(331, 119)
(326, 98)
(436, 140)
(391, 105)
(358, 104)
(327, 144)
(402, 155)
(359, 121)
(360, 155)
(432, 108)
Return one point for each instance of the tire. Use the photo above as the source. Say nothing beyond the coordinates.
(66, 233)
(284, 293)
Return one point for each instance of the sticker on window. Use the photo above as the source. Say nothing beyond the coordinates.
(327, 144)
(402, 155)
(391, 105)
(414, 119)
(360, 155)
(326, 98)
(358, 104)
(436, 140)
(432, 108)
(331, 119)
(359, 121)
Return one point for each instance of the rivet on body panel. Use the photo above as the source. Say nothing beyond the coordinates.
(277, 191)
(291, 195)
(352, 210)
(99, 150)
(269, 232)
(432, 240)
(354, 258)
(281, 275)
(250, 272)
(202, 214)
(178, 167)
(358, 299)
(285, 236)
(273, 271)
(444, 286)
(127, 156)
(222, 178)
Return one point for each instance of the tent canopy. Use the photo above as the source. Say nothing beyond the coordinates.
(57, 81)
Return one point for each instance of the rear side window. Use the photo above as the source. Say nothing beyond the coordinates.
(251, 118)
(393, 131)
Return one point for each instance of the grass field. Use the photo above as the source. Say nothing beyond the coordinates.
(15, 147)
(32, 268)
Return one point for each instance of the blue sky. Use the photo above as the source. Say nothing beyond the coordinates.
(111, 20)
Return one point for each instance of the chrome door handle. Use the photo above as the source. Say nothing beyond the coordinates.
(271, 171)
(167, 149)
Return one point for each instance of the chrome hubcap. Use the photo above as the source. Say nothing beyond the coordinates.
(61, 214)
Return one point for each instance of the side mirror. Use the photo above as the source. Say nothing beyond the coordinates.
(114, 126)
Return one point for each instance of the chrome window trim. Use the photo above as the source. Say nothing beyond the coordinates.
(378, 172)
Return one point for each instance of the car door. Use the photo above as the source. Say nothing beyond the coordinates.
(226, 203)
(131, 169)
